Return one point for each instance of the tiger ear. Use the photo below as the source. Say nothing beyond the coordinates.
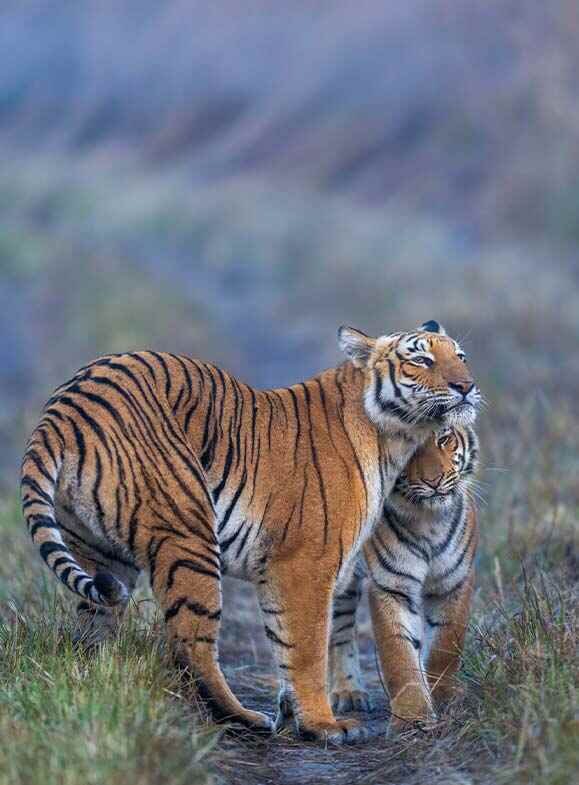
(356, 345)
(432, 326)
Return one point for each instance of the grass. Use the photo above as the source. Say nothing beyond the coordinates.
(111, 717)
(122, 715)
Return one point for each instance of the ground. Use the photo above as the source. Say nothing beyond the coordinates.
(122, 715)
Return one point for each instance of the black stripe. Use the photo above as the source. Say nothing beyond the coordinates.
(276, 639)
(226, 469)
(234, 501)
(402, 538)
(90, 421)
(316, 463)
(459, 561)
(41, 522)
(437, 550)
(242, 543)
(392, 373)
(96, 487)
(48, 548)
(298, 425)
(388, 566)
(31, 483)
(226, 544)
(194, 607)
(187, 564)
(47, 446)
(161, 359)
(399, 596)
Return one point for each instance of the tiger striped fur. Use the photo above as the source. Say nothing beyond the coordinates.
(420, 560)
(150, 461)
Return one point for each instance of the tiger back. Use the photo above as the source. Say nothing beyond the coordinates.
(154, 462)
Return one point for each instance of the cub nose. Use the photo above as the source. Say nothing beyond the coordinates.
(434, 482)
(463, 386)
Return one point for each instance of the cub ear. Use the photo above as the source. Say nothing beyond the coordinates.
(356, 345)
(432, 326)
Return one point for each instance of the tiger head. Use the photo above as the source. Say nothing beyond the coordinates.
(413, 379)
(441, 469)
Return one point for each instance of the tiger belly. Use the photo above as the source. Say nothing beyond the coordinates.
(242, 548)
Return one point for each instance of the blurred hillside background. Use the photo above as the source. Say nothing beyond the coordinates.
(233, 180)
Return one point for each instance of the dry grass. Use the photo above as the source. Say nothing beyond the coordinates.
(122, 715)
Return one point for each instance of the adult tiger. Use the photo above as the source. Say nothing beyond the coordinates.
(420, 560)
(149, 461)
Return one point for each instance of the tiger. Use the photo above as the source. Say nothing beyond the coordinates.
(420, 561)
(154, 462)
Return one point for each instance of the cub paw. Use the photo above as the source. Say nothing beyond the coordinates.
(344, 701)
(407, 713)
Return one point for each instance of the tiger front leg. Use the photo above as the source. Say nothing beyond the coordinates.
(447, 619)
(398, 631)
(346, 687)
(296, 613)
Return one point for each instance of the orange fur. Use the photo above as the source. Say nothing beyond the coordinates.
(420, 560)
(150, 461)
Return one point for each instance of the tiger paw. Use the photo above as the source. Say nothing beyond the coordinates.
(445, 692)
(254, 721)
(285, 711)
(408, 711)
(410, 706)
(338, 733)
(344, 701)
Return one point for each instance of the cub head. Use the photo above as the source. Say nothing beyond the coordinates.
(441, 469)
(413, 379)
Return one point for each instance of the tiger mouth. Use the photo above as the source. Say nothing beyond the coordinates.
(442, 409)
(434, 498)
(459, 406)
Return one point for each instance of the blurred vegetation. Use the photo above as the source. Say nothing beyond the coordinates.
(237, 182)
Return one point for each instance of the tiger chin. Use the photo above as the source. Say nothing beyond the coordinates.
(165, 464)
(420, 561)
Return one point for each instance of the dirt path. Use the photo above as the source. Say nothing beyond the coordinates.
(284, 760)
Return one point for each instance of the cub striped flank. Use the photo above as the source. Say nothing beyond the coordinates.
(420, 561)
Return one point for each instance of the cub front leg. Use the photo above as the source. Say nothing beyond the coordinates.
(346, 686)
(398, 632)
(446, 617)
(296, 612)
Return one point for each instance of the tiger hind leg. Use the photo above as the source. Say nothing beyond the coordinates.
(346, 686)
(186, 580)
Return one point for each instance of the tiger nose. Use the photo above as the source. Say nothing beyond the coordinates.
(434, 482)
(463, 386)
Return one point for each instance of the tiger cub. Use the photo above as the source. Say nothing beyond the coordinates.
(148, 461)
(420, 561)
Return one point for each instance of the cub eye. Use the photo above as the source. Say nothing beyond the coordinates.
(461, 356)
(422, 360)
(447, 439)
